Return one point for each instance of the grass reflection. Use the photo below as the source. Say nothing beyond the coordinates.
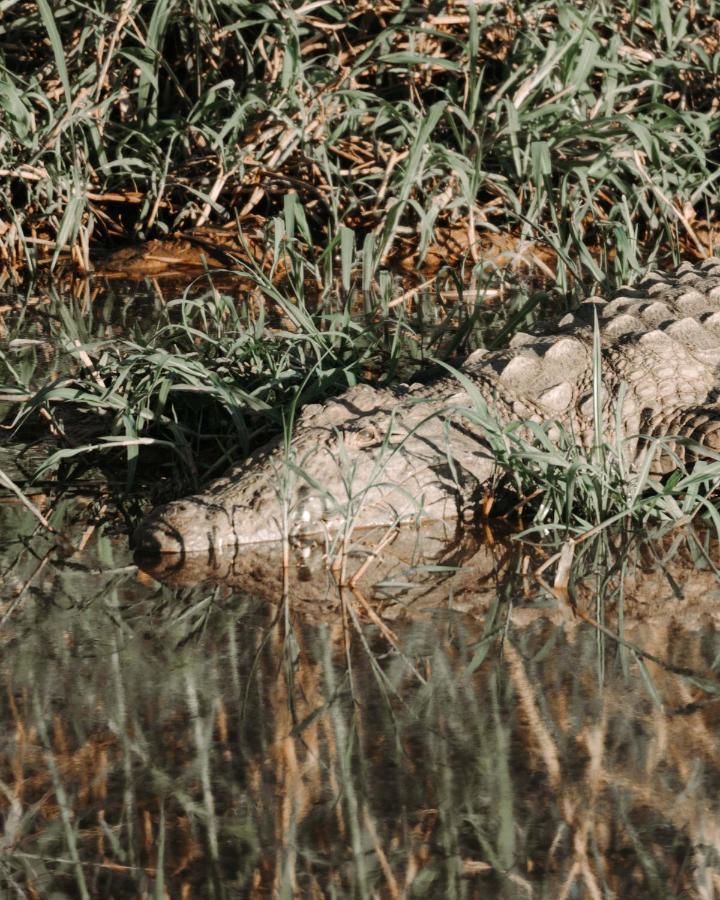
(207, 742)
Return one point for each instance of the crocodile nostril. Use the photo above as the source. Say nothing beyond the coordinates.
(154, 535)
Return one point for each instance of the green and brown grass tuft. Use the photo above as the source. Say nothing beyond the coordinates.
(411, 133)
(320, 151)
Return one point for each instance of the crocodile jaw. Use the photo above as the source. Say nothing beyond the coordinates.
(332, 488)
(196, 526)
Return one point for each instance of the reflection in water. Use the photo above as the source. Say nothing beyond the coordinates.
(208, 742)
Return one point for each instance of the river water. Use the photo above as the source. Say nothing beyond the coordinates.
(452, 726)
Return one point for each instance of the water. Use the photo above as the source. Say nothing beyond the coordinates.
(267, 739)
(450, 727)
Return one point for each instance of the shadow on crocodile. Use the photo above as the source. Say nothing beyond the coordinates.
(380, 457)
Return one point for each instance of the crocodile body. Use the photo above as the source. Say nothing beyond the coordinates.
(381, 456)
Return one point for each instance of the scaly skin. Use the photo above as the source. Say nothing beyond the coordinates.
(376, 457)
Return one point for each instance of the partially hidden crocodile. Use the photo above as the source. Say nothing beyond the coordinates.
(383, 456)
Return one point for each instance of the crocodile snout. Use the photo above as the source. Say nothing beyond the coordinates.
(169, 529)
(196, 525)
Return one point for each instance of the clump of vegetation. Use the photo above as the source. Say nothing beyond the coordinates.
(412, 132)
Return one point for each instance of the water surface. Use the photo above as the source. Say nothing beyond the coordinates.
(396, 740)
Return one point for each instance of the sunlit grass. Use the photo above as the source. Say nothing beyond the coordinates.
(347, 139)
(579, 128)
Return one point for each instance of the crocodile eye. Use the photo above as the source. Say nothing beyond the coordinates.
(359, 438)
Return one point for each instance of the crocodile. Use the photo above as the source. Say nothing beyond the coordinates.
(382, 456)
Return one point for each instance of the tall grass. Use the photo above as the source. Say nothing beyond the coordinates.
(340, 141)
(577, 127)
(205, 377)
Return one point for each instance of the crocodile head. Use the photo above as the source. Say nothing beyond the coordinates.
(360, 461)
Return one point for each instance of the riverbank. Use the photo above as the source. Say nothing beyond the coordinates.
(362, 138)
